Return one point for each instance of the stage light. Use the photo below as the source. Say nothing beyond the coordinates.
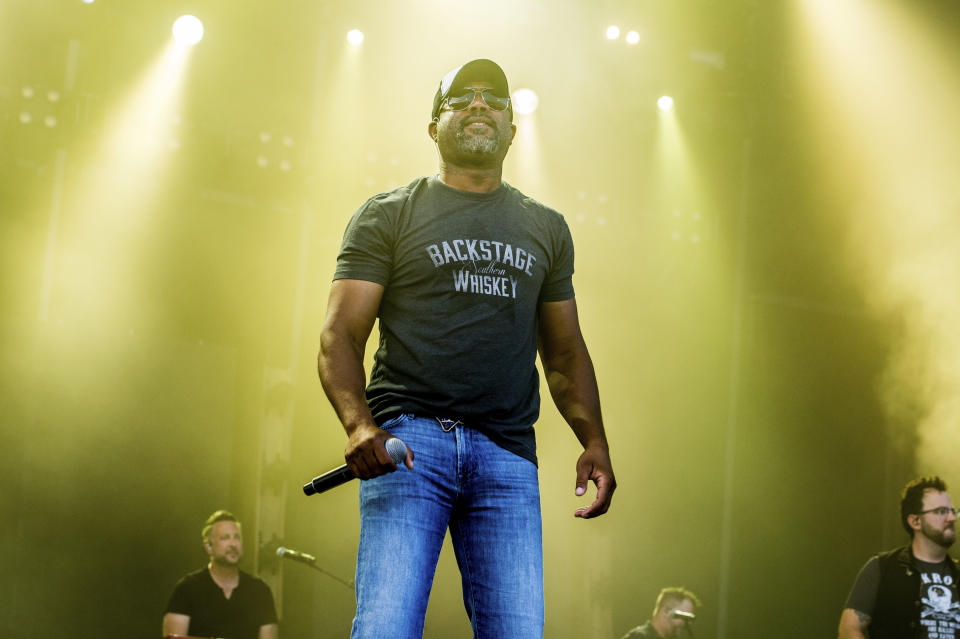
(287, 141)
(50, 121)
(88, 1)
(265, 136)
(525, 101)
(665, 103)
(27, 92)
(262, 161)
(355, 37)
(632, 37)
(53, 96)
(25, 118)
(188, 30)
(613, 32)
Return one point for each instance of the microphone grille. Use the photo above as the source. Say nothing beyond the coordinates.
(281, 551)
(396, 449)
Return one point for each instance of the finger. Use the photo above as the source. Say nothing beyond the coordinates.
(408, 460)
(382, 459)
(601, 504)
(583, 476)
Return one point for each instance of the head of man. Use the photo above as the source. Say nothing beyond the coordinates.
(925, 508)
(222, 538)
(472, 115)
(675, 608)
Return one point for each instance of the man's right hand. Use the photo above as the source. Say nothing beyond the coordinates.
(366, 452)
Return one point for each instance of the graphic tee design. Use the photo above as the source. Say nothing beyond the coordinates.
(464, 277)
(939, 608)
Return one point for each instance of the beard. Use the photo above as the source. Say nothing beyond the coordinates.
(478, 145)
(944, 537)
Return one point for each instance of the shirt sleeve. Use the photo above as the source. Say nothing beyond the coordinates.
(863, 595)
(266, 611)
(558, 285)
(180, 602)
(366, 252)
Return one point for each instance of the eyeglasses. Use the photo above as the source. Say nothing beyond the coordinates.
(461, 102)
(942, 511)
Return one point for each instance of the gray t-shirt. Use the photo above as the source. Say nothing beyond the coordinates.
(939, 612)
(464, 276)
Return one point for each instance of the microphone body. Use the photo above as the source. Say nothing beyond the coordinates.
(683, 614)
(296, 556)
(341, 475)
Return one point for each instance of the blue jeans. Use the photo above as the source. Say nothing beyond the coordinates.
(490, 500)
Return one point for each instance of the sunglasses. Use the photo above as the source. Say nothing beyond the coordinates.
(461, 102)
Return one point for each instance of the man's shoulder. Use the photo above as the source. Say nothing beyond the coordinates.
(198, 575)
(398, 195)
(253, 580)
(532, 204)
(644, 631)
(195, 581)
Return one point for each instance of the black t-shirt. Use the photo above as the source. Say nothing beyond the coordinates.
(646, 631)
(464, 276)
(939, 612)
(213, 615)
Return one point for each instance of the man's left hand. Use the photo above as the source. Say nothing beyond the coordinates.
(594, 465)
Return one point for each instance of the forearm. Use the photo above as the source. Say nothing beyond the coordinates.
(340, 365)
(573, 385)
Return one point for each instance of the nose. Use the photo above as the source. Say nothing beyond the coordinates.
(478, 101)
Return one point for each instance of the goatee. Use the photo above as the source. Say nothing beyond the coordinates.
(474, 144)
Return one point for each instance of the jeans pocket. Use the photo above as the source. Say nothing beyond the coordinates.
(395, 421)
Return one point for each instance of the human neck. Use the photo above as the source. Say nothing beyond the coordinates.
(470, 179)
(926, 550)
(224, 575)
(659, 626)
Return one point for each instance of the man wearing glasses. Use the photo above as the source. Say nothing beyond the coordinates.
(672, 615)
(910, 592)
(470, 279)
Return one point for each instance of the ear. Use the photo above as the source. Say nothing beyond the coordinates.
(914, 521)
(432, 129)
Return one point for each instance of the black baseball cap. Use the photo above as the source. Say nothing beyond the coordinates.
(481, 69)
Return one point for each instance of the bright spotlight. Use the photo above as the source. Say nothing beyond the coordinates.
(355, 37)
(613, 32)
(665, 103)
(87, 1)
(632, 37)
(188, 30)
(525, 101)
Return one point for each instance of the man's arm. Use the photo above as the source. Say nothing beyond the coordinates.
(351, 312)
(573, 385)
(268, 631)
(175, 624)
(853, 624)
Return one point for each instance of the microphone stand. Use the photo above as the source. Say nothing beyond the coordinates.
(347, 584)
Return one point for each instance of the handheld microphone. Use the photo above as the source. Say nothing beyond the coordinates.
(296, 556)
(683, 614)
(341, 475)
